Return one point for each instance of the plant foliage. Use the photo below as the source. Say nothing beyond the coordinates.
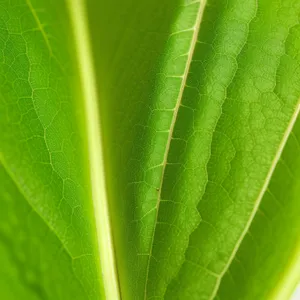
(149, 149)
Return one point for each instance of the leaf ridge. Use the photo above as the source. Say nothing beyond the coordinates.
(196, 29)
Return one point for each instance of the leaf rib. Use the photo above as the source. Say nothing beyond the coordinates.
(51, 229)
(290, 278)
(40, 26)
(196, 29)
(82, 39)
(260, 196)
(21, 191)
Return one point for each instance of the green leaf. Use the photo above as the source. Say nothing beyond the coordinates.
(149, 149)
(51, 151)
(271, 248)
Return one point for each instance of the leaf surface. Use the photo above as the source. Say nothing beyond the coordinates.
(51, 154)
(192, 157)
(162, 132)
(270, 248)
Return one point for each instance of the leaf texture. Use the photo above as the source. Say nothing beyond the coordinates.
(162, 132)
(179, 220)
(44, 151)
(277, 219)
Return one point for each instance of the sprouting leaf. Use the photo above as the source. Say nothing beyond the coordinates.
(149, 149)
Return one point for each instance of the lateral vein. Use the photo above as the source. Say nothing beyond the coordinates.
(20, 189)
(40, 26)
(18, 186)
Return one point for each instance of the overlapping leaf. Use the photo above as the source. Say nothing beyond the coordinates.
(197, 100)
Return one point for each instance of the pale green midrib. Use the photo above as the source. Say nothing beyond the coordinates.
(290, 278)
(51, 228)
(259, 197)
(173, 122)
(107, 268)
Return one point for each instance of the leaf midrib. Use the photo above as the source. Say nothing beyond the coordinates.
(84, 55)
(172, 126)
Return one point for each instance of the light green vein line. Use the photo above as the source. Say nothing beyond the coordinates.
(196, 28)
(82, 38)
(40, 26)
(7, 170)
(260, 196)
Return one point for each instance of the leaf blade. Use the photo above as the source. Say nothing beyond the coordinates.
(43, 144)
(196, 29)
(40, 259)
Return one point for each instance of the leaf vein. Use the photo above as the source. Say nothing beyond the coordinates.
(196, 29)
